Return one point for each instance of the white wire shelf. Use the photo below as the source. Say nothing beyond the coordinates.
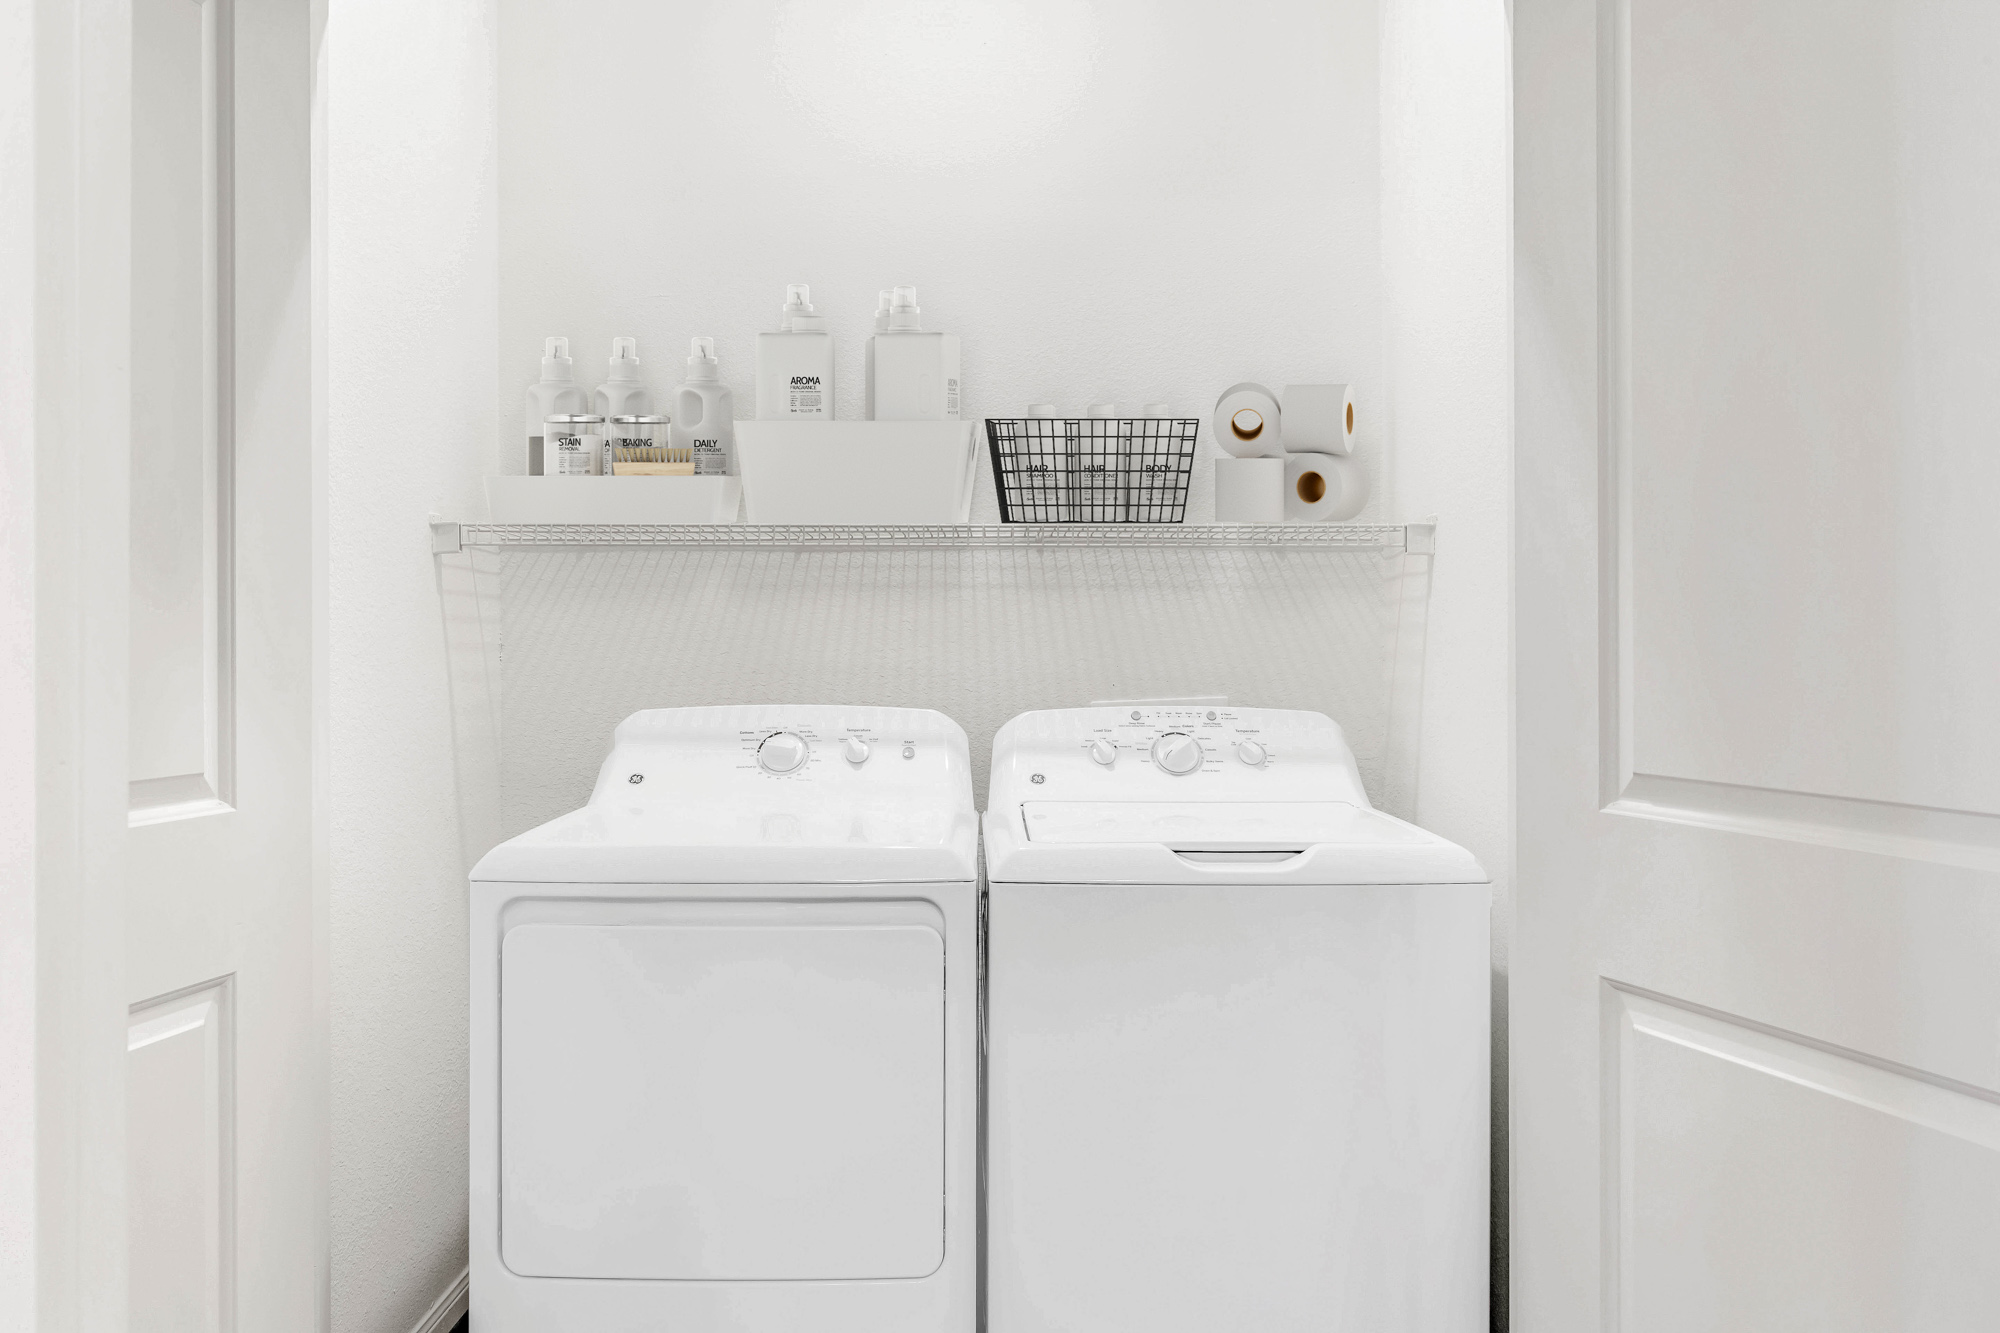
(558, 632)
(1417, 538)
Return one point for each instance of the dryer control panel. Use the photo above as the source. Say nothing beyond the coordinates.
(1142, 752)
(702, 754)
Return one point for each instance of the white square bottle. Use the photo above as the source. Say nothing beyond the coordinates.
(795, 364)
(912, 375)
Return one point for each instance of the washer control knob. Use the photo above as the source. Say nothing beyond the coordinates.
(856, 750)
(781, 752)
(1177, 753)
(1104, 752)
(1251, 753)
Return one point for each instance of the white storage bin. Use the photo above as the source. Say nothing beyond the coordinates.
(856, 471)
(613, 499)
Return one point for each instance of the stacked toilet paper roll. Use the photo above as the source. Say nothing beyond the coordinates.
(1319, 419)
(1320, 488)
(1247, 422)
(1249, 490)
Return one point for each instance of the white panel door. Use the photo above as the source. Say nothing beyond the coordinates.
(1755, 982)
(224, 1084)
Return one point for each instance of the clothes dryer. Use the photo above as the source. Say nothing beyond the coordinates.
(1237, 1027)
(724, 1035)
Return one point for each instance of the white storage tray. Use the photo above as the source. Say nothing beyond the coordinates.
(856, 471)
(613, 499)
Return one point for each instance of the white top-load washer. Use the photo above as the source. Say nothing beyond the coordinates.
(724, 1034)
(1237, 1035)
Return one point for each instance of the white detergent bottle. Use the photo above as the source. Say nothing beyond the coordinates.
(795, 364)
(705, 413)
(555, 394)
(914, 374)
(621, 394)
(881, 326)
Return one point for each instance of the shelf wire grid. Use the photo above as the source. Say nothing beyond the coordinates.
(554, 642)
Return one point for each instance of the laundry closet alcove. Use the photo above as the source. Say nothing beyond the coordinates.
(557, 633)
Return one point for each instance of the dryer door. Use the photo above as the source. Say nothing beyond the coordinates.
(724, 1091)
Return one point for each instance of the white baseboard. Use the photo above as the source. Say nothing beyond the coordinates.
(448, 1308)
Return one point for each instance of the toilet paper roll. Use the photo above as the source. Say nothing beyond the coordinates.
(1249, 490)
(1320, 488)
(1246, 422)
(1319, 419)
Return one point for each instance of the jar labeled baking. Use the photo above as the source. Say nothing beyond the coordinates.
(638, 446)
(572, 445)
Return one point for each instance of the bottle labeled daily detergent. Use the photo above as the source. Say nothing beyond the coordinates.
(555, 394)
(705, 413)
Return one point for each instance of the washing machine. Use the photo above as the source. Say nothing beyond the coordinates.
(1237, 1035)
(724, 1035)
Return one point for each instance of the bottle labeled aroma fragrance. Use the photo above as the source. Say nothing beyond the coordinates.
(795, 364)
(912, 374)
(705, 412)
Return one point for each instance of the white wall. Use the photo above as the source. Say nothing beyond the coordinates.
(1107, 199)
(409, 152)
(1447, 335)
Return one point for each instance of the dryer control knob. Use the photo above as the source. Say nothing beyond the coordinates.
(1251, 753)
(781, 753)
(1177, 753)
(1104, 752)
(856, 750)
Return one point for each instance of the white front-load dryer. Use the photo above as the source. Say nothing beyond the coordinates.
(724, 1035)
(1237, 1035)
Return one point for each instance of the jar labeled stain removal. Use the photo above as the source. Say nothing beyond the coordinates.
(573, 445)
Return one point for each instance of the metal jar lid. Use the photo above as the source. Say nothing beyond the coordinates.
(575, 419)
(642, 421)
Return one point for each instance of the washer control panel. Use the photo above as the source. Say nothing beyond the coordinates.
(1175, 752)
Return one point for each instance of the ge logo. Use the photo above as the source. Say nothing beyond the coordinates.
(1037, 778)
(637, 777)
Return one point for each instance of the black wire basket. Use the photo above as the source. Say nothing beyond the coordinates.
(1092, 469)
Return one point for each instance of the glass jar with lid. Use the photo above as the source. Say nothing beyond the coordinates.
(572, 445)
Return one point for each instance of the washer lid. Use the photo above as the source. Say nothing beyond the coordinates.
(1215, 826)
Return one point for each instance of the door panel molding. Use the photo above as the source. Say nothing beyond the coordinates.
(202, 533)
(1957, 837)
(1630, 1014)
(1949, 837)
(182, 1151)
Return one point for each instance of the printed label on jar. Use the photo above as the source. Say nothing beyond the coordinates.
(568, 455)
